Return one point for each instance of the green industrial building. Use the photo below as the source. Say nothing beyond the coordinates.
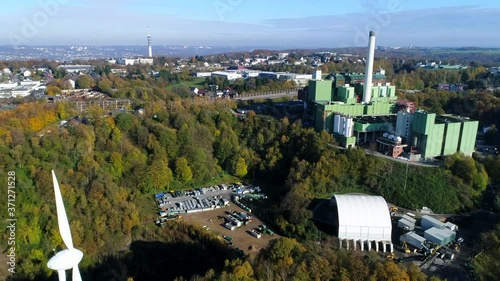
(357, 108)
(320, 90)
(329, 97)
(427, 135)
(439, 135)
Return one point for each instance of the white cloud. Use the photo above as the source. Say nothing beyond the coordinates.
(116, 24)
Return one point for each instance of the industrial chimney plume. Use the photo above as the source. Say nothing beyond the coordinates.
(367, 94)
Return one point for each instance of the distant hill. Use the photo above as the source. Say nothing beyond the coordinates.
(464, 55)
(102, 52)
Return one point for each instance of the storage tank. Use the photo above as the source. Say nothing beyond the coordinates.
(349, 127)
(336, 123)
(413, 239)
(429, 222)
(439, 236)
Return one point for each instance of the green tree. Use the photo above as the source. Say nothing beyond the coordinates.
(158, 176)
(486, 264)
(183, 172)
(181, 90)
(84, 82)
(124, 121)
(492, 166)
(105, 85)
(240, 168)
(116, 164)
(53, 90)
(389, 271)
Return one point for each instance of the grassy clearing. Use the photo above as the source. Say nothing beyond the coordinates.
(147, 208)
(196, 82)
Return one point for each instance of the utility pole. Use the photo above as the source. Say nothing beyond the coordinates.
(406, 177)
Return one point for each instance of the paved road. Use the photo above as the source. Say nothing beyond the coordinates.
(422, 164)
(292, 94)
(380, 155)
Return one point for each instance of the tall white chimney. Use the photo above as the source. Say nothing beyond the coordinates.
(367, 93)
(149, 44)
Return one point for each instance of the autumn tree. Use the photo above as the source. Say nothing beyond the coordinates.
(53, 90)
(124, 121)
(389, 271)
(84, 82)
(183, 172)
(486, 264)
(239, 167)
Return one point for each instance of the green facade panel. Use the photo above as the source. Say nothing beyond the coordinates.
(346, 95)
(346, 109)
(379, 108)
(319, 117)
(391, 91)
(345, 141)
(434, 141)
(380, 93)
(423, 122)
(383, 108)
(451, 138)
(320, 90)
(350, 141)
(468, 137)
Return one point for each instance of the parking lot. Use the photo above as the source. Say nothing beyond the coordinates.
(203, 199)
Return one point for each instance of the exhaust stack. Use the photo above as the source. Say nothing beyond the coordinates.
(367, 93)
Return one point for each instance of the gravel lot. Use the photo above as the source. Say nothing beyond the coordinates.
(241, 238)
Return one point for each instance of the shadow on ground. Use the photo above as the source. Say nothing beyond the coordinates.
(154, 261)
(325, 215)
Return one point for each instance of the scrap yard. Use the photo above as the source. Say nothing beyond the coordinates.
(222, 209)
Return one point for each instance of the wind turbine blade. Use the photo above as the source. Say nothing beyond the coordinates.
(62, 275)
(76, 274)
(62, 219)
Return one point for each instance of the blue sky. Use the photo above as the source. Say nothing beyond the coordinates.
(290, 23)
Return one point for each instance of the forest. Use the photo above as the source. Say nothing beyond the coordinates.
(110, 165)
(106, 163)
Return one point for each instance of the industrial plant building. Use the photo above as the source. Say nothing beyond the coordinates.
(360, 109)
(435, 232)
(362, 220)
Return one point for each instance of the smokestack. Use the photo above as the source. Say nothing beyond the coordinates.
(149, 44)
(367, 93)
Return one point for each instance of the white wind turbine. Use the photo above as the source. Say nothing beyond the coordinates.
(69, 258)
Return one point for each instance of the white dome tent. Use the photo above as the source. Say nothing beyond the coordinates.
(364, 219)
